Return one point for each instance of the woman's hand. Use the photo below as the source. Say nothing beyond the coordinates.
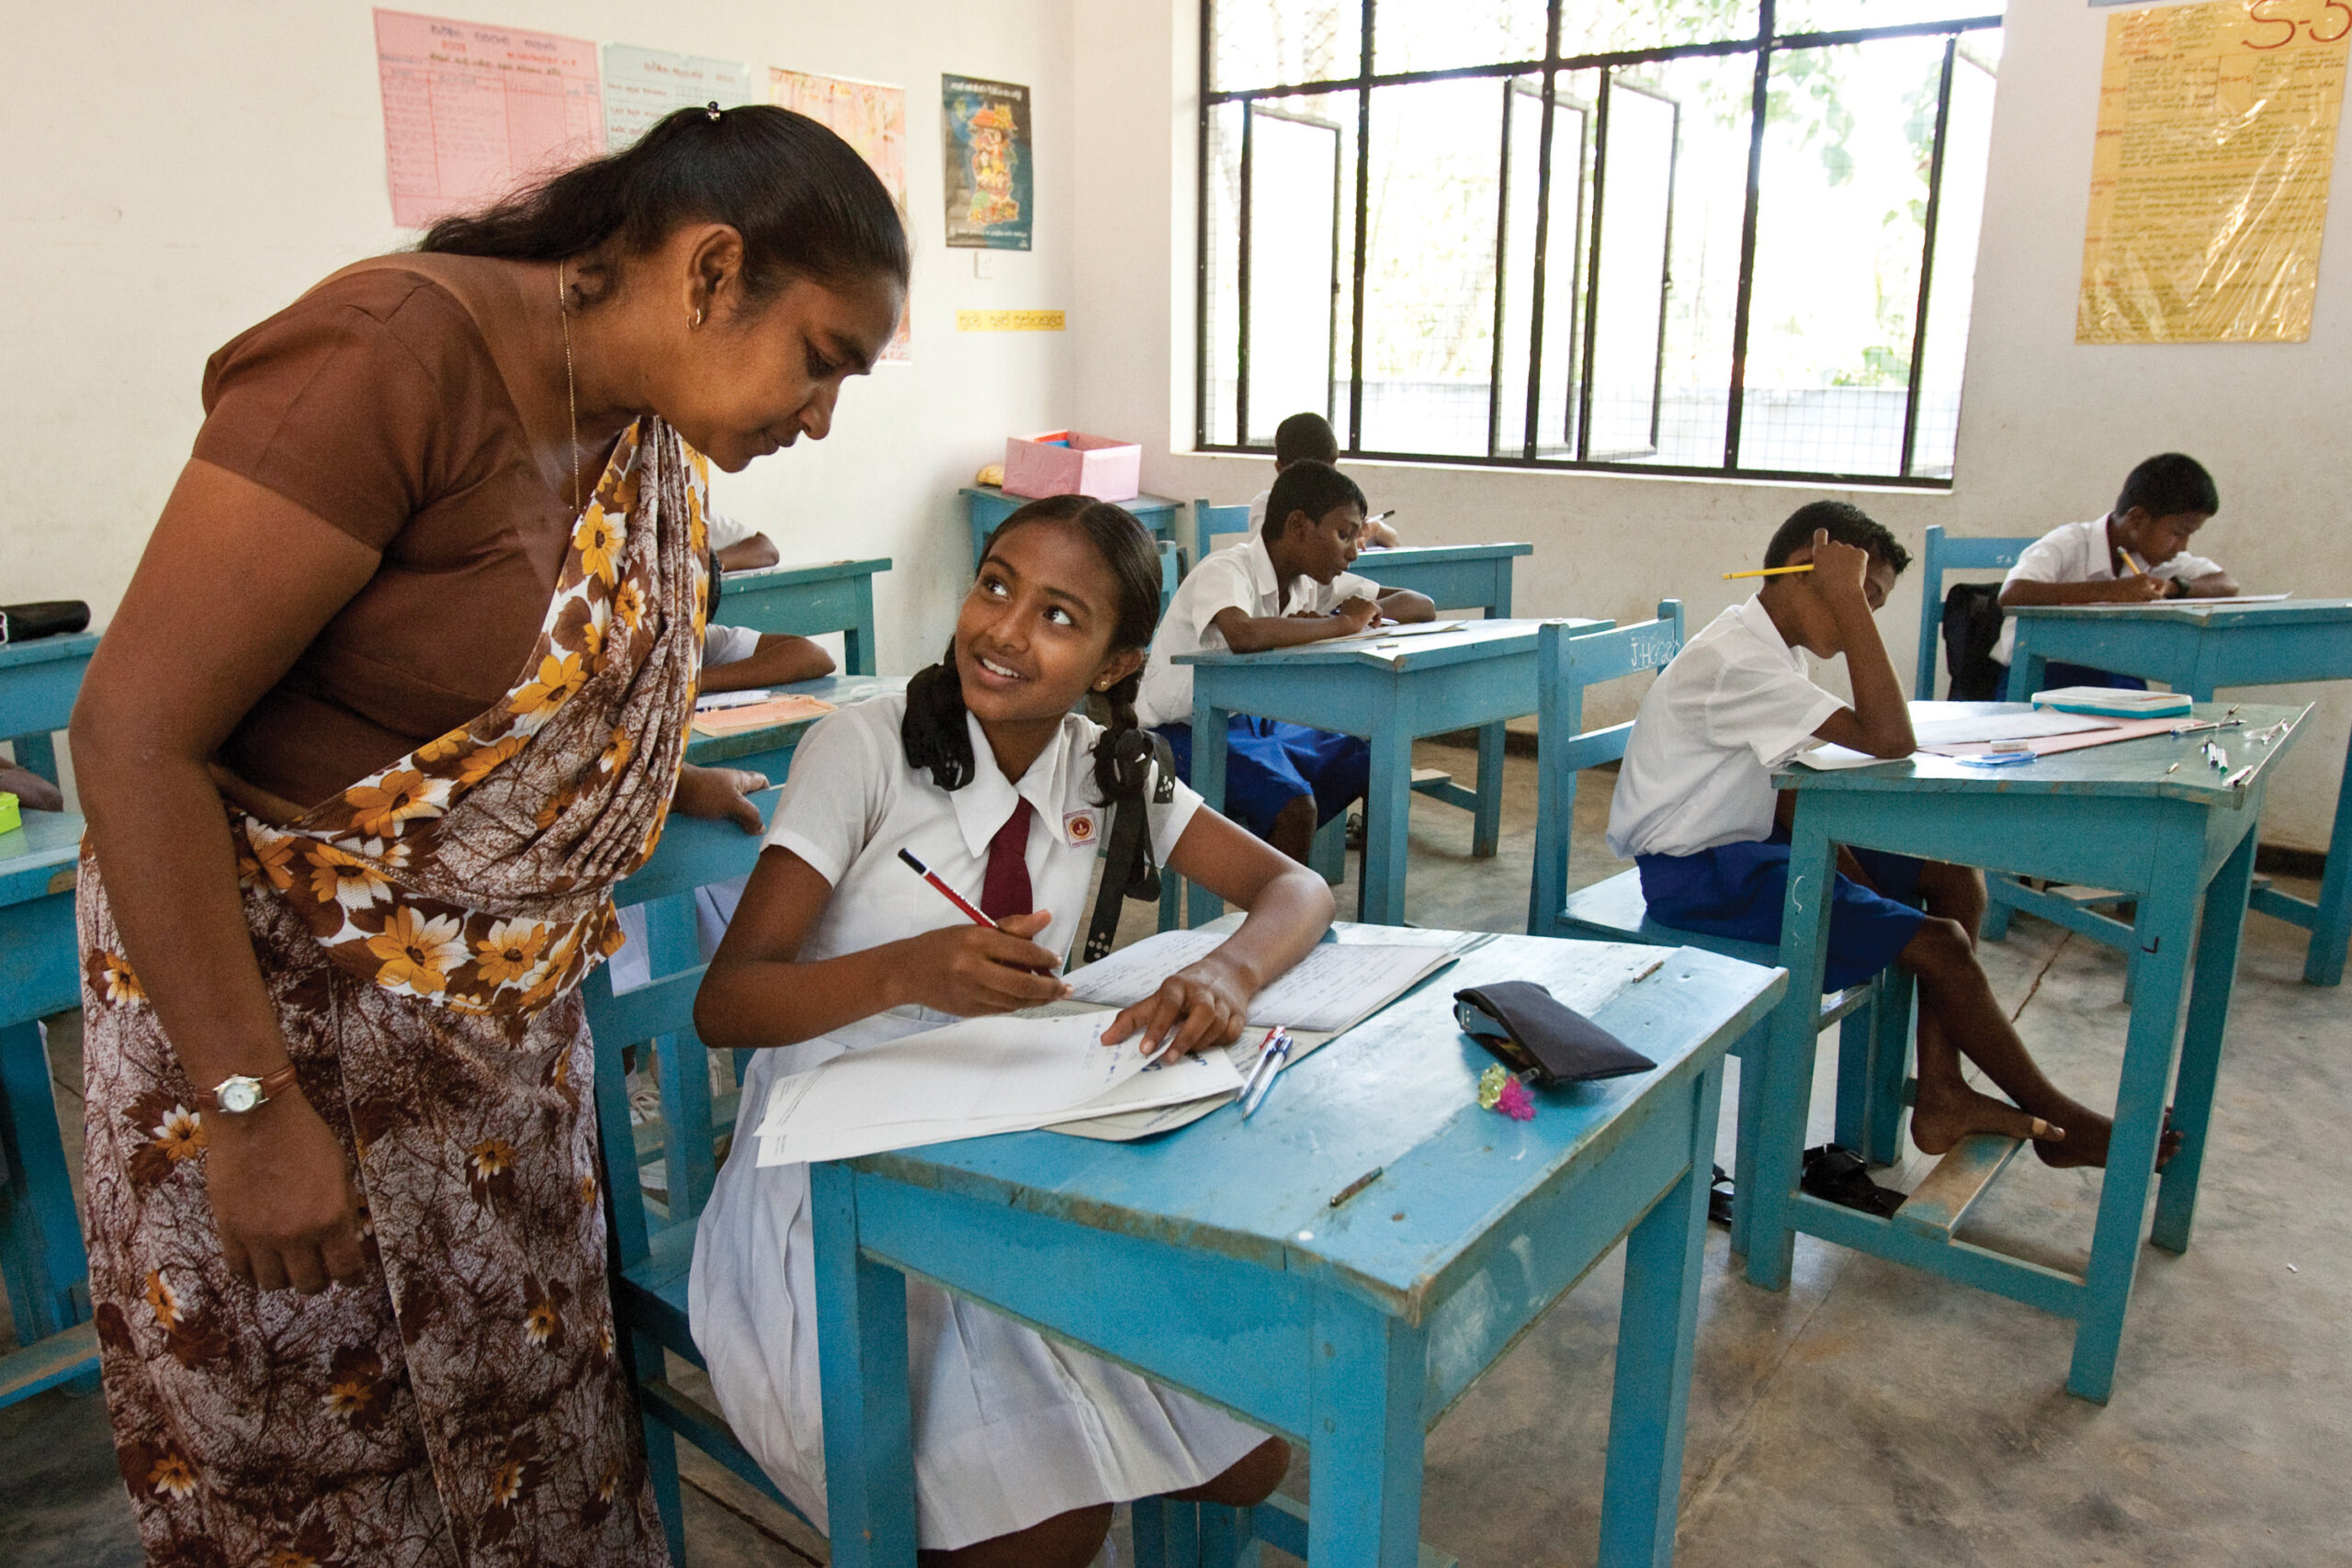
(282, 1198)
(975, 970)
(721, 795)
(1195, 1009)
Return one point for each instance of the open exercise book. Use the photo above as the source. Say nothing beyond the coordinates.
(1049, 1068)
(1940, 731)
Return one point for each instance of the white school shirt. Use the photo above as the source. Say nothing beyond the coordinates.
(1258, 511)
(1008, 1427)
(725, 532)
(1735, 704)
(1239, 577)
(2077, 552)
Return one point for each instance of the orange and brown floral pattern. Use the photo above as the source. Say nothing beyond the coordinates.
(422, 935)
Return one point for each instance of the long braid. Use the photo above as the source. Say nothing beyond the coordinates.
(933, 732)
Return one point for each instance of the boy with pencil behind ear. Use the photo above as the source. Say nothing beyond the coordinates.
(1695, 809)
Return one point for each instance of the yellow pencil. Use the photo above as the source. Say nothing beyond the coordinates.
(1769, 571)
(2137, 570)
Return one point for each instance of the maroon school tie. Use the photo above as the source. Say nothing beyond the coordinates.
(1006, 890)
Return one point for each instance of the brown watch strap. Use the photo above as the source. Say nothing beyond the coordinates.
(272, 1085)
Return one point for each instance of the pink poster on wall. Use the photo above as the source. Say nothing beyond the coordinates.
(472, 111)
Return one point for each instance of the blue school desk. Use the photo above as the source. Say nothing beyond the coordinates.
(2197, 649)
(985, 506)
(1454, 576)
(42, 1259)
(1390, 693)
(808, 601)
(1213, 1259)
(38, 681)
(2113, 815)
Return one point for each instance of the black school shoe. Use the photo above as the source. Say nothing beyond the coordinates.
(1837, 1175)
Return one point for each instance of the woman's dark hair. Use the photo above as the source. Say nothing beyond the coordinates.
(806, 204)
(933, 731)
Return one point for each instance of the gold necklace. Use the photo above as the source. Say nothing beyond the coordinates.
(570, 397)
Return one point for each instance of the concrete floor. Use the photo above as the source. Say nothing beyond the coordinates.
(1869, 1415)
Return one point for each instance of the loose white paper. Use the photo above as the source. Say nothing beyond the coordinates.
(1332, 986)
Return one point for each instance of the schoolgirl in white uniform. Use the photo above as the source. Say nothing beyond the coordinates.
(983, 770)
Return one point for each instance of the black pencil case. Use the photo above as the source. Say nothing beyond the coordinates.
(49, 617)
(1529, 1031)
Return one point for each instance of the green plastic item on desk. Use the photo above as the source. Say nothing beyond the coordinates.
(11, 816)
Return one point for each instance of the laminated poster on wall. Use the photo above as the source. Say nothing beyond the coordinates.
(872, 118)
(991, 192)
(472, 110)
(2210, 174)
(643, 85)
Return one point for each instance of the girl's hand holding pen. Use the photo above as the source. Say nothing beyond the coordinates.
(1195, 1009)
(971, 970)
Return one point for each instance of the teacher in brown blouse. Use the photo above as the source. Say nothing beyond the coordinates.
(399, 693)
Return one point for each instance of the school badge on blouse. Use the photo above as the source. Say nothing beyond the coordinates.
(1077, 827)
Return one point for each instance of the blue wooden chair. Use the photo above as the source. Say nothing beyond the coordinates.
(1171, 572)
(651, 1242)
(1214, 527)
(2078, 910)
(1873, 1019)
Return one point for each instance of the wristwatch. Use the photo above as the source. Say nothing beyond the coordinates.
(237, 1093)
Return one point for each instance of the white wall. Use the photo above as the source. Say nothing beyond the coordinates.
(2047, 432)
(230, 155)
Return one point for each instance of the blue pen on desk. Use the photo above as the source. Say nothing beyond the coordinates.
(1270, 1062)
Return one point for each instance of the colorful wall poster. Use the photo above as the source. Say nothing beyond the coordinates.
(643, 85)
(991, 192)
(472, 111)
(2210, 176)
(872, 118)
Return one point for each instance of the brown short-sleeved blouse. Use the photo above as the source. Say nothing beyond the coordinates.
(374, 403)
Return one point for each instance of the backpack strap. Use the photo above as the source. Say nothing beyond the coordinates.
(1131, 871)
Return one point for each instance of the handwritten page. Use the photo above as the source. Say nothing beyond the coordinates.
(790, 708)
(1331, 989)
(2209, 173)
(2192, 603)
(472, 111)
(1399, 628)
(643, 85)
(872, 118)
(2017, 725)
(979, 1076)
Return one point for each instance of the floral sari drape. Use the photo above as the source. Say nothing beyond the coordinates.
(423, 934)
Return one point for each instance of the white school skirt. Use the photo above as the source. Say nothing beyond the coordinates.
(1010, 1428)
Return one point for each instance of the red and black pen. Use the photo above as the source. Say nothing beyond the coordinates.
(950, 893)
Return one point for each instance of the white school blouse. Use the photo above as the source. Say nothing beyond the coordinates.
(1735, 704)
(1009, 1428)
(2077, 552)
(1239, 577)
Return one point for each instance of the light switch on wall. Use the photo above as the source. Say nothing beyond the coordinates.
(983, 263)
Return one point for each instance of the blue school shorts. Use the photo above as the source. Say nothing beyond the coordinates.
(1736, 890)
(2059, 673)
(1270, 762)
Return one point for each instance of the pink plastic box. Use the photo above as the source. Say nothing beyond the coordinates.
(1064, 462)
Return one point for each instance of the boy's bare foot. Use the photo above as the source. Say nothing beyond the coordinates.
(2088, 1146)
(1945, 1114)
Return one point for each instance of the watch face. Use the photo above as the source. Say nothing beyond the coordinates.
(239, 1095)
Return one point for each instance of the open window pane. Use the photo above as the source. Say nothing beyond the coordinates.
(1547, 354)
(1221, 300)
(1295, 259)
(1713, 98)
(1633, 224)
(1960, 213)
(1839, 236)
(1438, 35)
(1272, 43)
(1429, 267)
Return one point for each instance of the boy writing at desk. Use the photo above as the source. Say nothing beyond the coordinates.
(1284, 588)
(2137, 554)
(1695, 808)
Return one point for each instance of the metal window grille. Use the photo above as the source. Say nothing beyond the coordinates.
(1698, 237)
